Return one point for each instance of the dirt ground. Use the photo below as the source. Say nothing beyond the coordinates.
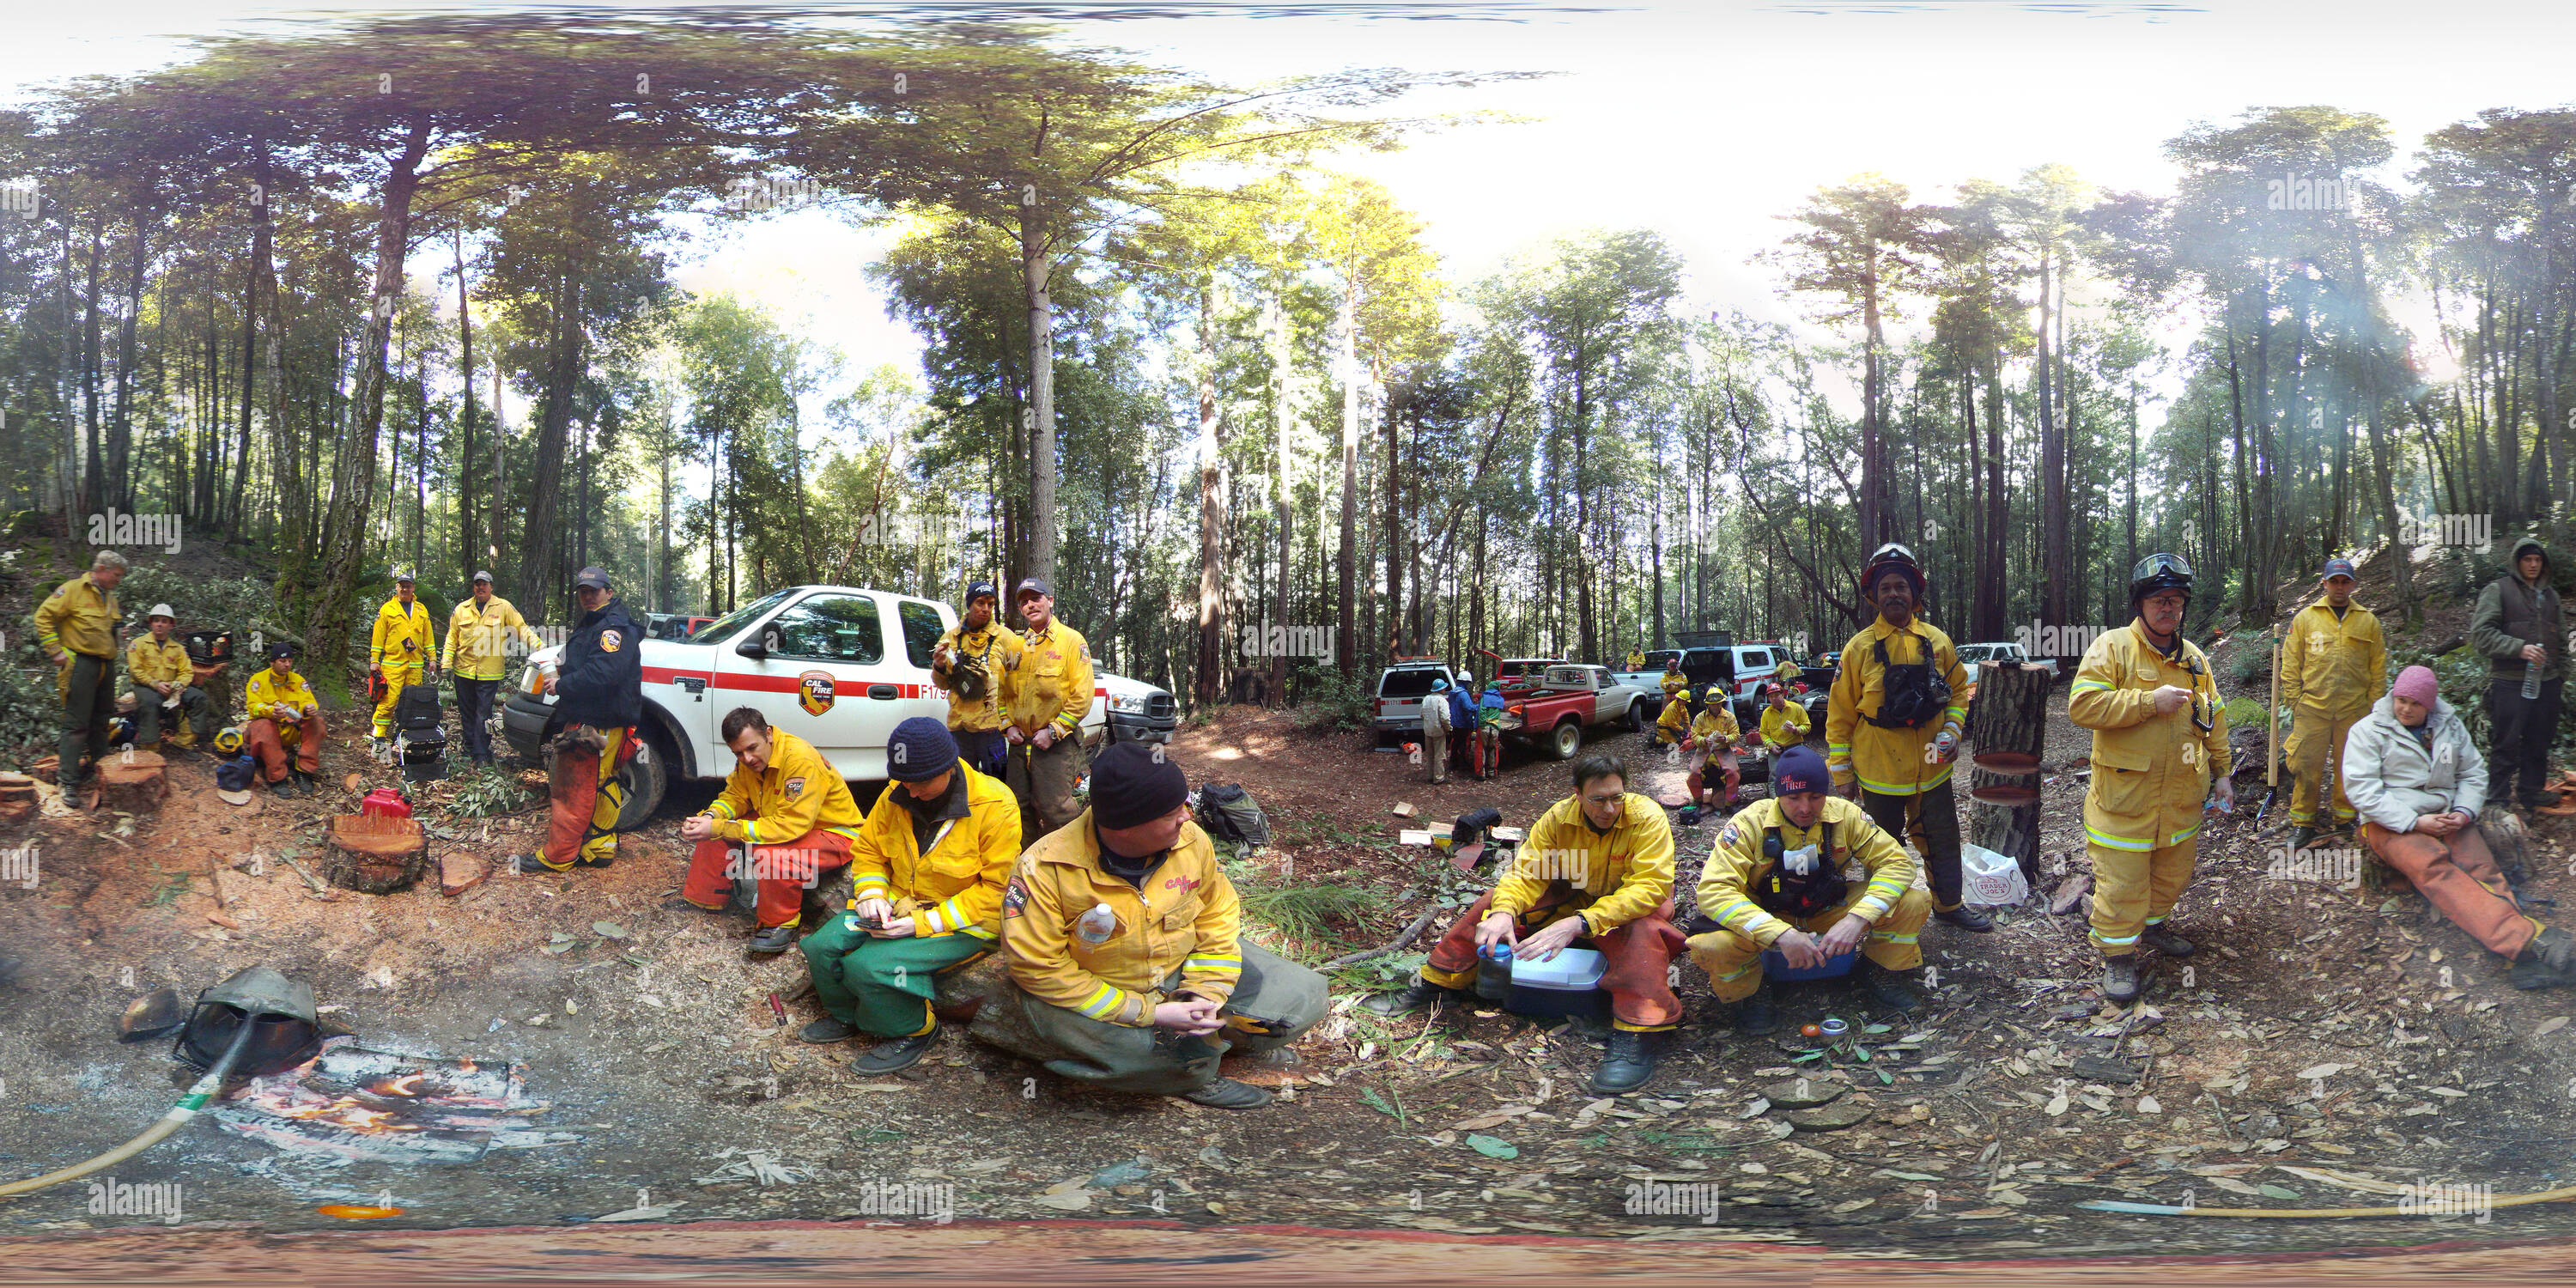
(2325, 1049)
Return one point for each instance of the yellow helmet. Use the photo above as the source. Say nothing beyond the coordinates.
(1683, 694)
(229, 741)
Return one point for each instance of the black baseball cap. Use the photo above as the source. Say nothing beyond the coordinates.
(1031, 586)
(591, 577)
(981, 590)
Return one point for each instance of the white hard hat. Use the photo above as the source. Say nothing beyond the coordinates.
(1466, 677)
(160, 610)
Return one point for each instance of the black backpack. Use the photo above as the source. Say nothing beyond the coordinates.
(1228, 813)
(1788, 895)
(416, 711)
(1912, 695)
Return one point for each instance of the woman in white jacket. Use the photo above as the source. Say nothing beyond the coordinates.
(2419, 782)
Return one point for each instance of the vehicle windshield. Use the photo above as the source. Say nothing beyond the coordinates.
(1408, 683)
(731, 624)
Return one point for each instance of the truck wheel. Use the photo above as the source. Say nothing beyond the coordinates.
(1565, 740)
(646, 778)
(1638, 720)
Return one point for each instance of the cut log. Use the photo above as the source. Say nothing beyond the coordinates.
(373, 854)
(2009, 721)
(458, 873)
(17, 787)
(137, 786)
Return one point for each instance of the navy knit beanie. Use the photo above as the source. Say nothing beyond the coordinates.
(920, 750)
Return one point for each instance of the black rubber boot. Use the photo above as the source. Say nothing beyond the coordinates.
(2304, 837)
(1226, 1093)
(1628, 1064)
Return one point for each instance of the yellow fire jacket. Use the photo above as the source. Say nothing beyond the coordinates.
(2150, 771)
(1784, 726)
(1716, 729)
(1787, 673)
(1000, 651)
(1185, 918)
(796, 793)
(478, 638)
(958, 885)
(1861, 850)
(151, 663)
(2331, 668)
(1615, 876)
(403, 635)
(1890, 762)
(1674, 682)
(1052, 682)
(1675, 719)
(285, 701)
(78, 618)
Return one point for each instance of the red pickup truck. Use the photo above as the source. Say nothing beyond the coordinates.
(1551, 709)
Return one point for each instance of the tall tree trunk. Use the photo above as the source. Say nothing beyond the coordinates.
(121, 430)
(1210, 671)
(1036, 268)
(1280, 357)
(1347, 645)
(466, 554)
(544, 542)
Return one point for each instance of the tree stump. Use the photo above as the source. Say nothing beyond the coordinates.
(374, 854)
(137, 786)
(18, 799)
(2009, 722)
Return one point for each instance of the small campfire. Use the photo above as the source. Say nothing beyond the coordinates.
(356, 1103)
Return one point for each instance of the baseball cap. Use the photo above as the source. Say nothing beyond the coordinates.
(981, 590)
(1031, 586)
(2338, 567)
(591, 577)
(280, 649)
(480, 576)
(402, 575)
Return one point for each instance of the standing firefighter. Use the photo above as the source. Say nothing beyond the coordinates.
(2149, 698)
(1436, 710)
(978, 663)
(405, 641)
(477, 651)
(599, 695)
(1892, 723)
(76, 626)
(1128, 966)
(2333, 667)
(1049, 695)
(1597, 872)
(2517, 624)
(1813, 877)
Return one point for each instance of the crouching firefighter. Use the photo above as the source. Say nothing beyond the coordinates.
(785, 818)
(1812, 876)
(2152, 704)
(599, 695)
(1128, 970)
(1596, 871)
(926, 875)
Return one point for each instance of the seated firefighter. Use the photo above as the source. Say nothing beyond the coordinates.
(167, 707)
(1713, 735)
(283, 713)
(1127, 966)
(785, 816)
(2418, 782)
(1597, 872)
(1811, 875)
(926, 879)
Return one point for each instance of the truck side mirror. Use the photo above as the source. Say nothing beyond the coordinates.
(752, 648)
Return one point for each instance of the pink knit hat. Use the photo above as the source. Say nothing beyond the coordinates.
(2416, 684)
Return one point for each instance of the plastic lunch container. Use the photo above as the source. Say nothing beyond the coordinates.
(1568, 984)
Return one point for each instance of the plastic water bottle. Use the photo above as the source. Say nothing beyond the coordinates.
(1097, 925)
(1494, 980)
(2531, 679)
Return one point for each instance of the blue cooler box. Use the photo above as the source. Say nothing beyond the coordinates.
(1775, 965)
(1566, 985)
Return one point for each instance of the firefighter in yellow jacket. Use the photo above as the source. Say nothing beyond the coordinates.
(1892, 724)
(477, 654)
(2149, 698)
(1673, 724)
(158, 666)
(784, 818)
(1050, 691)
(283, 715)
(1814, 877)
(1713, 735)
(1128, 970)
(400, 651)
(926, 876)
(2334, 666)
(978, 662)
(1597, 872)
(76, 626)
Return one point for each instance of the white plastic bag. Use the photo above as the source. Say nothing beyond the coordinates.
(1990, 878)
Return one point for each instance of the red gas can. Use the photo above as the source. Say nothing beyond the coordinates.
(385, 802)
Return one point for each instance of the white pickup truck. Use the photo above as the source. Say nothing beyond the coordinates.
(838, 666)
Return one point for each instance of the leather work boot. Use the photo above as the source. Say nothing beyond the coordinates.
(2548, 961)
(1627, 1065)
(895, 1055)
(1893, 989)
(2166, 942)
(773, 939)
(1226, 1093)
(1754, 1016)
(1966, 917)
(2304, 837)
(2120, 978)
(826, 1029)
(1418, 995)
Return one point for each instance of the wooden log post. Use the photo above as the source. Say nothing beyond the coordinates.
(375, 854)
(134, 783)
(2008, 721)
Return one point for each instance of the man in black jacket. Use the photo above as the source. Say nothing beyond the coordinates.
(599, 695)
(2518, 626)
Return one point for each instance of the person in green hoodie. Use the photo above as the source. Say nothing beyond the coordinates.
(2519, 627)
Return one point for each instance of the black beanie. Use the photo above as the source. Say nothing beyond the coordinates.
(1132, 783)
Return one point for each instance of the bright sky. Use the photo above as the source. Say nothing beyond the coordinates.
(1704, 121)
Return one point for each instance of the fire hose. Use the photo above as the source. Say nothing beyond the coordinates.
(198, 1094)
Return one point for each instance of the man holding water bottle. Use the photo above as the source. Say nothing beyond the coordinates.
(2519, 627)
